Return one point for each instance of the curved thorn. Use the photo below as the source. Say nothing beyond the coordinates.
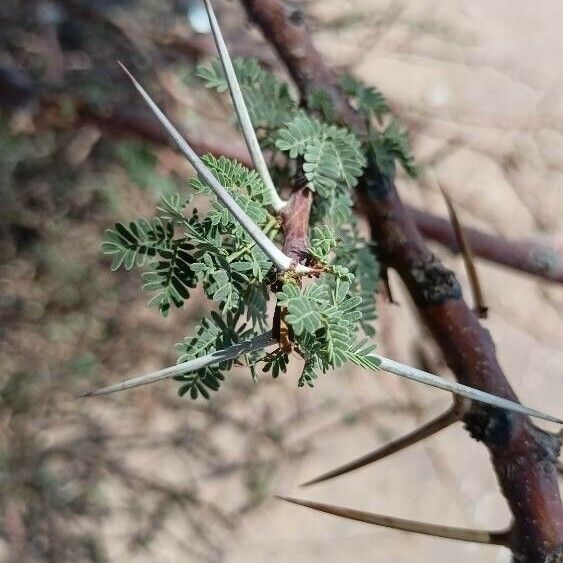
(452, 415)
(282, 261)
(257, 343)
(476, 288)
(435, 530)
(459, 389)
(241, 110)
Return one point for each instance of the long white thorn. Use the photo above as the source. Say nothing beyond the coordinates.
(459, 389)
(241, 110)
(282, 261)
(257, 343)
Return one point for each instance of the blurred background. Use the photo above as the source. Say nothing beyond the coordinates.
(147, 476)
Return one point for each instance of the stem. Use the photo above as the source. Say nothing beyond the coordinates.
(535, 258)
(282, 261)
(241, 110)
(256, 343)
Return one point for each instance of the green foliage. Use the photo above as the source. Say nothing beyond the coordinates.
(276, 362)
(211, 250)
(332, 161)
(324, 319)
(320, 101)
(323, 240)
(182, 247)
(390, 145)
(353, 253)
(386, 145)
(368, 100)
(131, 244)
(332, 156)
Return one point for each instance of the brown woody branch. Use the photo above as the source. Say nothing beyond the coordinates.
(523, 456)
(538, 259)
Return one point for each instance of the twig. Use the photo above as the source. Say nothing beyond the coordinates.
(537, 259)
(424, 528)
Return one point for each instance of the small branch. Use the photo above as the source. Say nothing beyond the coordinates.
(282, 261)
(242, 111)
(452, 415)
(295, 223)
(127, 121)
(540, 260)
(478, 298)
(434, 530)
(257, 343)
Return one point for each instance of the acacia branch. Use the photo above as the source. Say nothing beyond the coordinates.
(523, 456)
(534, 258)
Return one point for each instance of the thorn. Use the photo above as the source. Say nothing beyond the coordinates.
(559, 466)
(452, 415)
(241, 110)
(230, 353)
(409, 372)
(435, 530)
(476, 290)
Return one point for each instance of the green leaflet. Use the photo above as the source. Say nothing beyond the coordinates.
(180, 251)
(324, 318)
(171, 277)
(323, 240)
(331, 155)
(390, 145)
(131, 245)
(367, 99)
